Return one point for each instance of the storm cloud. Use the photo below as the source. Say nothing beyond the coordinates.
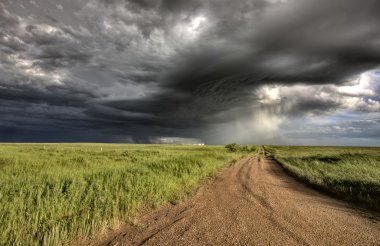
(215, 71)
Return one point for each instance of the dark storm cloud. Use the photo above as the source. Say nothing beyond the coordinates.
(173, 67)
(311, 43)
(318, 41)
(52, 95)
(171, 6)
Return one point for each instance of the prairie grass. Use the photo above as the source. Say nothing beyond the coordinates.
(51, 194)
(350, 173)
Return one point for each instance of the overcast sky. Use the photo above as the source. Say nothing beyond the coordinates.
(212, 71)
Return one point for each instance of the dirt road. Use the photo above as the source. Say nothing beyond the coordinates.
(253, 202)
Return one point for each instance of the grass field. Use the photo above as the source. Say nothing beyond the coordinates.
(51, 194)
(347, 172)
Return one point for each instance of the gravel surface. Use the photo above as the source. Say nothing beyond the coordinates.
(252, 202)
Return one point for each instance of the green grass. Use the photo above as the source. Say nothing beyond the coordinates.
(350, 173)
(51, 194)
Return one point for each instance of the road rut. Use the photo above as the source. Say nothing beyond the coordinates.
(252, 202)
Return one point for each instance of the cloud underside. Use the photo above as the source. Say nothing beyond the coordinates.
(212, 70)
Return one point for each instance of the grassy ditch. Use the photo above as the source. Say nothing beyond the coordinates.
(350, 173)
(51, 194)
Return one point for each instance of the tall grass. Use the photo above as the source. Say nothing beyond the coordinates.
(347, 172)
(51, 194)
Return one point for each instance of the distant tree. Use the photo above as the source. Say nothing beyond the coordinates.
(245, 148)
(233, 147)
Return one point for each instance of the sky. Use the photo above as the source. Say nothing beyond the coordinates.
(297, 72)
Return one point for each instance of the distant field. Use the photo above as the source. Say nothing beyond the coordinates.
(349, 173)
(52, 193)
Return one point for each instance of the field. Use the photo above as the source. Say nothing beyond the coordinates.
(51, 194)
(349, 173)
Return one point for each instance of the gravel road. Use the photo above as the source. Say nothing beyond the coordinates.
(252, 202)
